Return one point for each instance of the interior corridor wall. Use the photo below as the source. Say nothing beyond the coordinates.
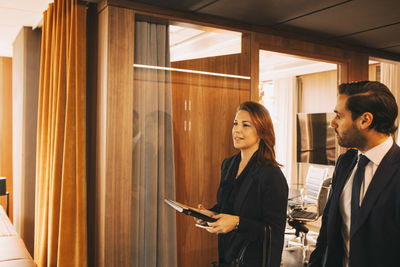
(318, 92)
(25, 80)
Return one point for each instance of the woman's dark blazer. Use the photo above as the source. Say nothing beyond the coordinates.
(261, 201)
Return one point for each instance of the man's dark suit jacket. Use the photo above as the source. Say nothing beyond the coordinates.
(375, 240)
(261, 201)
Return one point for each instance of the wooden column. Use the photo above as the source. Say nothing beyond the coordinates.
(113, 179)
(358, 67)
(251, 52)
(26, 67)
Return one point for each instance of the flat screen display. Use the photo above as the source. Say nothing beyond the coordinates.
(316, 141)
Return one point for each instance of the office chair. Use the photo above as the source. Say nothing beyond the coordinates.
(3, 191)
(299, 216)
(314, 179)
(316, 194)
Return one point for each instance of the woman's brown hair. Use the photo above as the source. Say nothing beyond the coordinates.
(265, 131)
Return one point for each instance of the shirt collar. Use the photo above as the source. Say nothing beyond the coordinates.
(377, 153)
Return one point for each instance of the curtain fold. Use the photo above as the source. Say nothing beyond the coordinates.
(285, 131)
(60, 208)
(154, 227)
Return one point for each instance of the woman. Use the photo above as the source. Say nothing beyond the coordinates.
(253, 191)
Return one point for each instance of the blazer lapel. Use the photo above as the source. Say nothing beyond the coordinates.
(342, 176)
(386, 169)
(343, 171)
(229, 168)
(244, 188)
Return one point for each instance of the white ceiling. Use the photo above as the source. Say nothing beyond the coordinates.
(188, 42)
(15, 14)
(276, 65)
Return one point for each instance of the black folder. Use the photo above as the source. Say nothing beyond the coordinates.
(189, 210)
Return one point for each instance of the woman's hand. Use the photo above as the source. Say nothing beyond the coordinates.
(224, 224)
(201, 208)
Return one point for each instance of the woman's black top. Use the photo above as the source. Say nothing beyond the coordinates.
(230, 189)
(259, 197)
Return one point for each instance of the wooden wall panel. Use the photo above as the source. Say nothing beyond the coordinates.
(202, 139)
(251, 59)
(6, 130)
(358, 67)
(114, 137)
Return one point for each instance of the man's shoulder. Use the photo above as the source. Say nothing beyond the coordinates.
(348, 155)
(392, 156)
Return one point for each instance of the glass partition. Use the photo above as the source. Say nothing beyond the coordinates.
(189, 79)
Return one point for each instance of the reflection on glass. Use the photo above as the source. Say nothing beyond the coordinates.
(315, 138)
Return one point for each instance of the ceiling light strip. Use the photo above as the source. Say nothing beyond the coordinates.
(191, 71)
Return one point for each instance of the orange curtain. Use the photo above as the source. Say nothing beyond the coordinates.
(60, 212)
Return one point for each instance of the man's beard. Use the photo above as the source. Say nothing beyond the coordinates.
(352, 138)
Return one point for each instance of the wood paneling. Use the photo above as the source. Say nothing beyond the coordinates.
(358, 67)
(202, 139)
(302, 48)
(113, 180)
(251, 57)
(6, 130)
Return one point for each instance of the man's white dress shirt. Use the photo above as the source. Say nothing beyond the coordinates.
(375, 155)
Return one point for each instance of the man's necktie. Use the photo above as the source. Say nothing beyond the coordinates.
(355, 193)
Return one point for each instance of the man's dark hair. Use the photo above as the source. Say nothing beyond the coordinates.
(373, 97)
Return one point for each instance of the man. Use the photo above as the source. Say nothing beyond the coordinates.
(361, 221)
